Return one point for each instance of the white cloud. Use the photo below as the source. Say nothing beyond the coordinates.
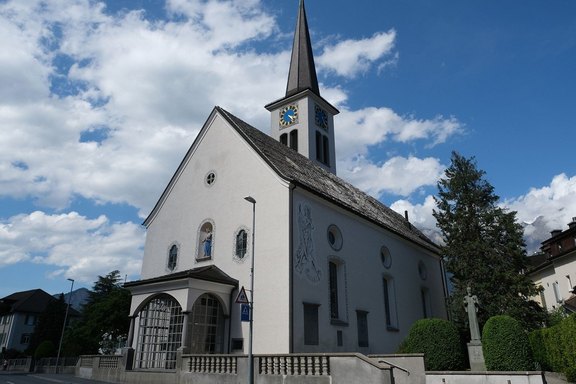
(358, 130)
(75, 245)
(545, 209)
(420, 215)
(398, 175)
(69, 69)
(349, 58)
(540, 211)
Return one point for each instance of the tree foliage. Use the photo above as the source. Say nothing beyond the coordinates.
(105, 320)
(484, 247)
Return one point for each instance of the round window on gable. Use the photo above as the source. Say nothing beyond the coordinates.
(334, 237)
(386, 257)
(210, 178)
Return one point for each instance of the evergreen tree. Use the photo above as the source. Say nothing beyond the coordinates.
(484, 247)
(105, 319)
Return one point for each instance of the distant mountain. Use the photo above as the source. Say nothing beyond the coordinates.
(79, 298)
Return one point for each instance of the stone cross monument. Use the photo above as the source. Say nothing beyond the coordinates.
(475, 354)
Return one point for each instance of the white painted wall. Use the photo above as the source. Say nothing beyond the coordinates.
(364, 270)
(556, 274)
(239, 173)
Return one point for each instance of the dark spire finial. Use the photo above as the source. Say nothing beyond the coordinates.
(302, 74)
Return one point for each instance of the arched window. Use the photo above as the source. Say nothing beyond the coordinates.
(159, 333)
(241, 244)
(207, 325)
(205, 241)
(172, 257)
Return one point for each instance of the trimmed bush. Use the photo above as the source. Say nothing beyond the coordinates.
(554, 348)
(45, 349)
(439, 340)
(505, 345)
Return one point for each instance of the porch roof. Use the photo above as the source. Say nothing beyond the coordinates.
(208, 273)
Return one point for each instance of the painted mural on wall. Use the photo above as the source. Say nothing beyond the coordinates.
(306, 263)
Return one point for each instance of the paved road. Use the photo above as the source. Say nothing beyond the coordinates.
(43, 378)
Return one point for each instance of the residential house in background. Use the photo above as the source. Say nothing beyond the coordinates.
(19, 314)
(554, 269)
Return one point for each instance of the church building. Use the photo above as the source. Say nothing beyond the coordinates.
(334, 269)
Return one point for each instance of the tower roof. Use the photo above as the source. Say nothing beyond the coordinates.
(302, 74)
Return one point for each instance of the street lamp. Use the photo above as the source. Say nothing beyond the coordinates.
(251, 200)
(64, 325)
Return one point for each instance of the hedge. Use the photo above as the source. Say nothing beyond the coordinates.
(439, 340)
(505, 345)
(554, 348)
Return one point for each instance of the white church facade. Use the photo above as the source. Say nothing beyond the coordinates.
(334, 269)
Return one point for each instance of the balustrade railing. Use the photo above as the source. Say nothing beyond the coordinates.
(109, 361)
(294, 365)
(219, 364)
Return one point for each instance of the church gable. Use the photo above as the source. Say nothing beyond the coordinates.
(200, 218)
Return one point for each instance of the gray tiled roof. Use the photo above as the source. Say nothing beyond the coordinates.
(207, 273)
(32, 301)
(302, 73)
(303, 172)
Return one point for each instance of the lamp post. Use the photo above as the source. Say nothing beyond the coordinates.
(64, 325)
(252, 201)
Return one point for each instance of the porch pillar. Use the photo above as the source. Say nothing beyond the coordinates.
(185, 330)
(131, 331)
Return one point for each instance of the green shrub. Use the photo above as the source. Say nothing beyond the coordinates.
(45, 349)
(439, 340)
(554, 348)
(539, 349)
(505, 345)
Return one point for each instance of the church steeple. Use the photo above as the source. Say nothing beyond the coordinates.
(302, 73)
(303, 120)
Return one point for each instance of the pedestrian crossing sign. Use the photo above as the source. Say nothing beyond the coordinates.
(242, 298)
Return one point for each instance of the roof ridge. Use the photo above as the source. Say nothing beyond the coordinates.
(306, 173)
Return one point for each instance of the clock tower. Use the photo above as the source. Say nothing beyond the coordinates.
(303, 120)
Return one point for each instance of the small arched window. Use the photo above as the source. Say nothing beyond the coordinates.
(241, 244)
(173, 257)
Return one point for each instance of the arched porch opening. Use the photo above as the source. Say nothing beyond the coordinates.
(207, 325)
(160, 323)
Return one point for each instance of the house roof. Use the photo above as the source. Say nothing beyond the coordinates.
(303, 172)
(207, 273)
(32, 301)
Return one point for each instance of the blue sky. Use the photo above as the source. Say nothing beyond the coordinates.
(100, 101)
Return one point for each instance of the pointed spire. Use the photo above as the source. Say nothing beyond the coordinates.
(302, 74)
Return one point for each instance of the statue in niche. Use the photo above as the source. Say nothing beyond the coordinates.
(471, 304)
(208, 244)
(305, 254)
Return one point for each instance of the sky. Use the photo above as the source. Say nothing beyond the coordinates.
(100, 100)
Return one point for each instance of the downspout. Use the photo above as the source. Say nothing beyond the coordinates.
(231, 306)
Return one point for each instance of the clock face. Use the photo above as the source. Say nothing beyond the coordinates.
(289, 115)
(321, 117)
